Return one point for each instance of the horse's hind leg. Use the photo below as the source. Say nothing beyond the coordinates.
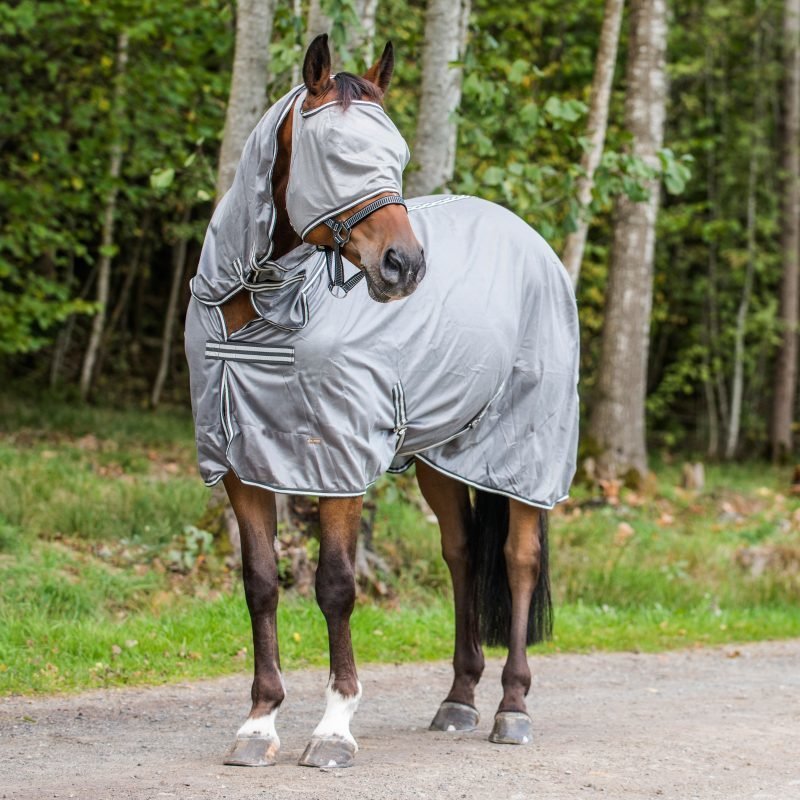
(257, 742)
(449, 500)
(523, 556)
(332, 744)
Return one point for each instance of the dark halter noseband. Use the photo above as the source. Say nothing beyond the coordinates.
(337, 285)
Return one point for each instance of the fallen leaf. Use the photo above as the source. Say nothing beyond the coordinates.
(623, 534)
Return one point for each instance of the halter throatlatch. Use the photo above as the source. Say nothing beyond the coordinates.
(337, 285)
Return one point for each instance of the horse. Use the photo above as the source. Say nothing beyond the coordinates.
(345, 371)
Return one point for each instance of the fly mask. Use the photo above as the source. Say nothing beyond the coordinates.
(340, 159)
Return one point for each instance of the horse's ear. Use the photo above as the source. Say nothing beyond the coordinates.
(317, 65)
(380, 73)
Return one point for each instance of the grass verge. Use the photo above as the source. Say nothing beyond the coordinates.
(200, 639)
(103, 583)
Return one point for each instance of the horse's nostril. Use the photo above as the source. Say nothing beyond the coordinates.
(421, 266)
(392, 267)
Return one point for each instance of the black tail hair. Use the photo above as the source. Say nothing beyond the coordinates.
(491, 592)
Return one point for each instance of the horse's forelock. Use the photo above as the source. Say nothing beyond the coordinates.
(353, 87)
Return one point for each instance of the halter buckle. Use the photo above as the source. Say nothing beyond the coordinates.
(337, 229)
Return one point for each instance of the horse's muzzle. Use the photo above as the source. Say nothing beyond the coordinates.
(401, 270)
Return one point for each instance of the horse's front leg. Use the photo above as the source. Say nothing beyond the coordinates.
(449, 500)
(332, 744)
(257, 742)
(523, 556)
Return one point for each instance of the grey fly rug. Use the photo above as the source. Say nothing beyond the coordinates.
(475, 373)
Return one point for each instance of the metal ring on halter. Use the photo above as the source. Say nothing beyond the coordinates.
(336, 229)
(337, 285)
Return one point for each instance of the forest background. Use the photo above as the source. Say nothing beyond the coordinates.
(110, 165)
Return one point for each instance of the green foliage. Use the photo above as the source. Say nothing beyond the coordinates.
(522, 131)
(721, 89)
(189, 549)
(57, 126)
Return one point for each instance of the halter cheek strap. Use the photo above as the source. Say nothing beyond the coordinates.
(337, 285)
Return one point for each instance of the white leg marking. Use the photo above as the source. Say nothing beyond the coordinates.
(260, 727)
(338, 713)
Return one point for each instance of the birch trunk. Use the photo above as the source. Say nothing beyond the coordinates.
(107, 234)
(178, 270)
(434, 151)
(596, 127)
(618, 420)
(737, 386)
(318, 21)
(786, 368)
(716, 396)
(248, 95)
(123, 298)
(359, 38)
(297, 13)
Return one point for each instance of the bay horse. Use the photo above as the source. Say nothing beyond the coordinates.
(333, 202)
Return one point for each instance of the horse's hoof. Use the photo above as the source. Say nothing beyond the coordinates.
(511, 727)
(252, 751)
(328, 751)
(452, 717)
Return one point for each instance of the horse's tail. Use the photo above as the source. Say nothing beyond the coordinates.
(491, 592)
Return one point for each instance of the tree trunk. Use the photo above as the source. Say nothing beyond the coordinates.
(107, 235)
(178, 271)
(361, 39)
(358, 39)
(248, 95)
(64, 338)
(715, 384)
(297, 13)
(123, 298)
(711, 412)
(318, 21)
(434, 151)
(596, 127)
(786, 368)
(618, 419)
(130, 276)
(737, 386)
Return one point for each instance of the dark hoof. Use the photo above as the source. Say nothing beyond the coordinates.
(252, 751)
(331, 751)
(452, 717)
(512, 727)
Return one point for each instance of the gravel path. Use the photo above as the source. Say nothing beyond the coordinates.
(711, 723)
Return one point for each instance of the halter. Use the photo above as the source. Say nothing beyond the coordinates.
(337, 285)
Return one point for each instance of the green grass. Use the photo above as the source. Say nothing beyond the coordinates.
(193, 638)
(47, 416)
(94, 504)
(198, 638)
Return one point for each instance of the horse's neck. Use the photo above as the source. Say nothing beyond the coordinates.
(284, 237)
(238, 311)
